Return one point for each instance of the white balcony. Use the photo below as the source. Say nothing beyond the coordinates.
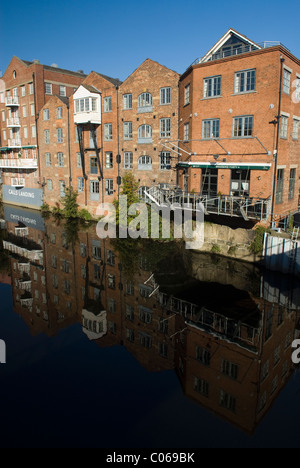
(13, 122)
(15, 182)
(27, 303)
(24, 268)
(25, 285)
(87, 106)
(18, 163)
(12, 101)
(32, 255)
(14, 143)
(21, 231)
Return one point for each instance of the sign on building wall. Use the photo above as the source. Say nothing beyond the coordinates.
(26, 196)
(29, 218)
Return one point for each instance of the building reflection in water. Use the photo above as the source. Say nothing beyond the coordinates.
(224, 326)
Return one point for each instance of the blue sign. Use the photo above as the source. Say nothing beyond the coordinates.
(29, 218)
(33, 198)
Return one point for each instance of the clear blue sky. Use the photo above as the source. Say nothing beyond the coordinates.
(115, 37)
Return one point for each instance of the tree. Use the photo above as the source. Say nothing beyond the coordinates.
(69, 202)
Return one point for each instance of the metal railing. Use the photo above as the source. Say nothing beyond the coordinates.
(14, 143)
(20, 163)
(13, 122)
(12, 101)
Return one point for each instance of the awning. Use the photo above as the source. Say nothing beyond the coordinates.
(4, 148)
(221, 165)
(29, 147)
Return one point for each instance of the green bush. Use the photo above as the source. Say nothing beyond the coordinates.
(85, 215)
(69, 202)
(232, 250)
(257, 245)
(216, 249)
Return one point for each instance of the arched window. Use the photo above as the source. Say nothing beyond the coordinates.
(145, 102)
(14, 74)
(145, 134)
(142, 195)
(145, 163)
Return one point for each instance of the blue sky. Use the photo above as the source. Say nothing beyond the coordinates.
(115, 37)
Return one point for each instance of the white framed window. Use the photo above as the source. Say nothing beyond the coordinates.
(59, 112)
(108, 160)
(60, 159)
(50, 184)
(4, 135)
(165, 128)
(296, 94)
(46, 137)
(145, 134)
(33, 153)
(286, 82)
(15, 92)
(145, 102)
(32, 110)
(46, 114)
(165, 96)
(2, 97)
(212, 86)
(210, 128)
(186, 131)
(187, 95)
(128, 160)
(78, 161)
(243, 126)
(108, 135)
(230, 369)
(62, 188)
(94, 189)
(48, 88)
(127, 101)
(31, 88)
(165, 161)
(145, 163)
(33, 131)
(109, 186)
(59, 135)
(62, 91)
(295, 129)
(127, 130)
(80, 184)
(25, 132)
(24, 110)
(244, 81)
(284, 126)
(107, 105)
(227, 401)
(3, 116)
(48, 159)
(23, 91)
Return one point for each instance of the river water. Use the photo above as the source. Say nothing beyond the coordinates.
(139, 344)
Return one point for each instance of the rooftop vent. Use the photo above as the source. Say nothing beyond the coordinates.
(36, 61)
(54, 65)
(80, 71)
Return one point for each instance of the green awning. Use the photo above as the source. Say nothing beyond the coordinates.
(204, 165)
(29, 147)
(4, 148)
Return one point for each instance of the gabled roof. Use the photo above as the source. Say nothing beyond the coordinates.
(114, 81)
(90, 88)
(143, 63)
(231, 32)
(55, 69)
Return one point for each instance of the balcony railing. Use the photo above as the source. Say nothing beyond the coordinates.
(12, 101)
(15, 182)
(14, 143)
(27, 303)
(19, 163)
(25, 285)
(32, 255)
(24, 268)
(13, 122)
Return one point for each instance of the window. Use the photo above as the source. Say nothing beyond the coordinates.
(165, 161)
(32, 109)
(112, 306)
(66, 266)
(110, 258)
(210, 128)
(295, 129)
(59, 112)
(145, 340)
(296, 94)
(53, 238)
(187, 95)
(60, 158)
(163, 325)
(2, 97)
(163, 350)
(24, 111)
(62, 91)
(50, 185)
(227, 401)
(145, 163)
(142, 193)
(288, 340)
(212, 87)
(186, 131)
(129, 288)
(165, 96)
(111, 281)
(46, 137)
(107, 104)
(94, 187)
(23, 91)
(145, 134)
(276, 355)
(130, 335)
(127, 101)
(112, 327)
(59, 135)
(284, 369)
(128, 160)
(82, 250)
(96, 249)
(45, 114)
(201, 386)
(62, 188)
(243, 126)
(230, 369)
(33, 131)
(165, 128)
(279, 187)
(78, 161)
(55, 281)
(108, 135)
(145, 102)
(129, 313)
(244, 81)
(67, 287)
(265, 371)
(3, 116)
(269, 324)
(292, 184)
(108, 160)
(4, 135)
(25, 132)
(145, 291)
(30, 88)
(203, 356)
(109, 186)
(94, 166)
(145, 315)
(274, 384)
(97, 272)
(48, 159)
(83, 271)
(48, 88)
(284, 126)
(286, 83)
(80, 184)
(127, 130)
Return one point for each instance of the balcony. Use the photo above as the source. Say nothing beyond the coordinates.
(21, 231)
(31, 255)
(13, 122)
(25, 285)
(24, 268)
(14, 143)
(12, 101)
(27, 303)
(18, 163)
(18, 183)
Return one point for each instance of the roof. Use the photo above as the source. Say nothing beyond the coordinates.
(55, 69)
(90, 88)
(114, 81)
(147, 60)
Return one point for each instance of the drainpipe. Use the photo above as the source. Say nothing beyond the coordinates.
(177, 168)
(118, 137)
(277, 140)
(69, 148)
(36, 128)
